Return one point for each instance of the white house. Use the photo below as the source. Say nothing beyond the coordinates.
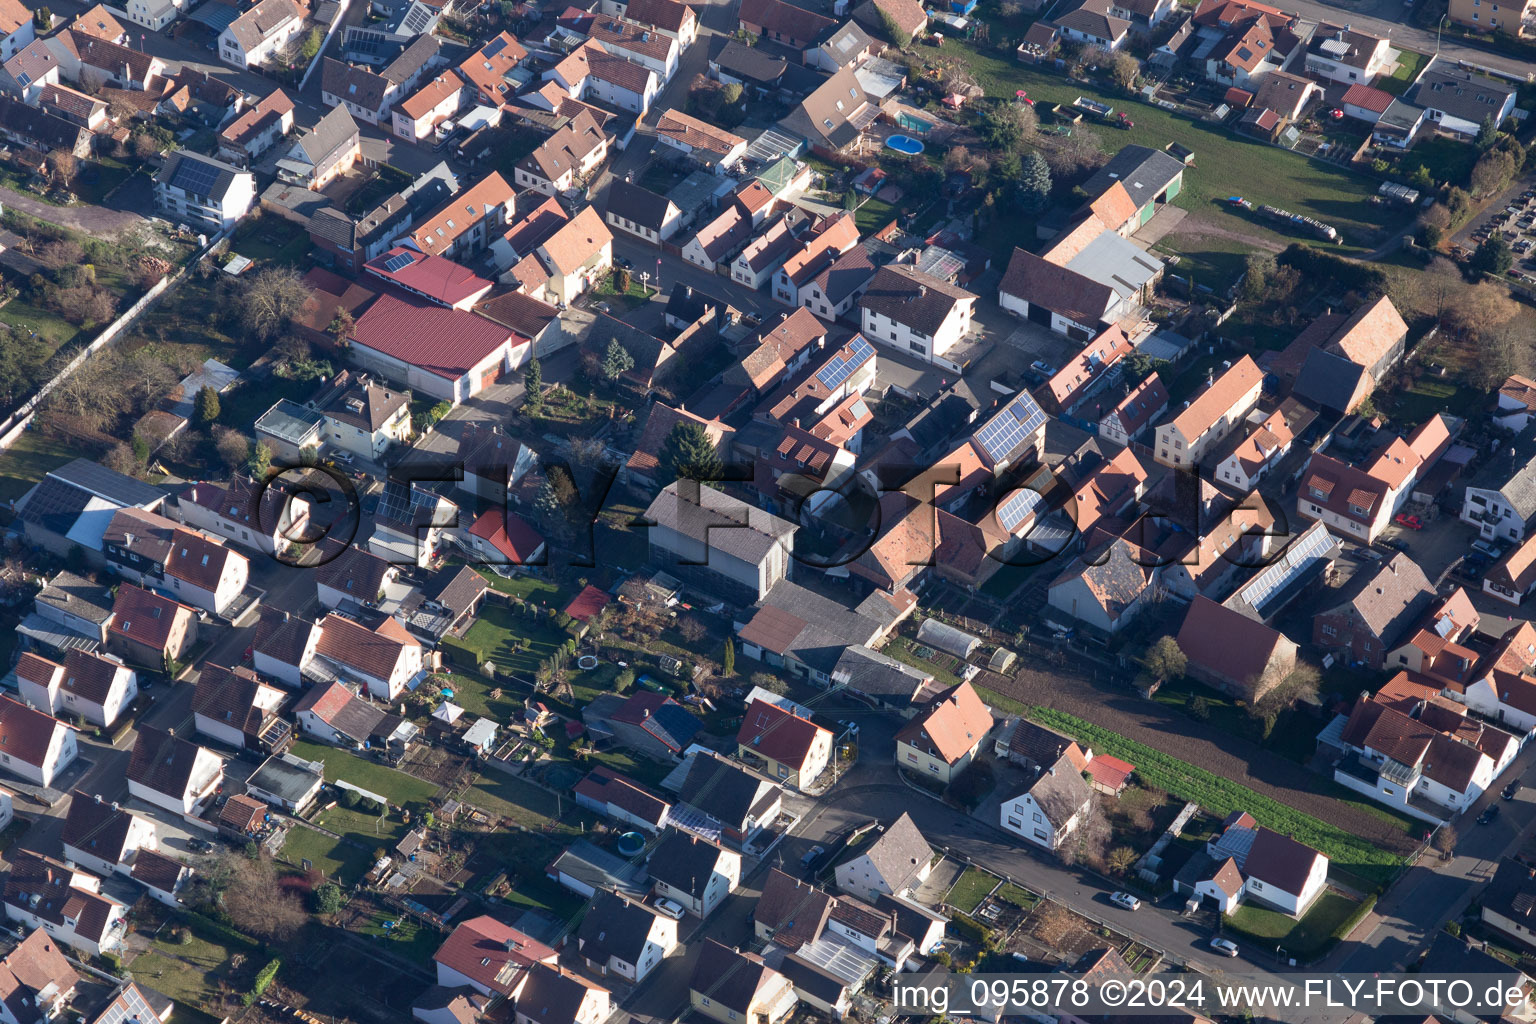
(1516, 403)
(384, 659)
(236, 708)
(33, 745)
(1269, 868)
(17, 29)
(915, 313)
(97, 687)
(67, 904)
(207, 194)
(1050, 807)
(173, 773)
(897, 861)
(640, 212)
(1503, 514)
(416, 117)
(51, 981)
(1245, 463)
(260, 32)
(941, 742)
(490, 957)
(625, 937)
(554, 995)
(101, 836)
(730, 546)
(693, 872)
(1185, 440)
(257, 517)
(1345, 55)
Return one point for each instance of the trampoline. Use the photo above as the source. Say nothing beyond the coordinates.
(586, 662)
(905, 144)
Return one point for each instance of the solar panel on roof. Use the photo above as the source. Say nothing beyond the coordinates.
(1010, 428)
(195, 176)
(494, 47)
(841, 367)
(398, 262)
(1015, 509)
(1308, 549)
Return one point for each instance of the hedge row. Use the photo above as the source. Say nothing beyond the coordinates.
(1223, 796)
(263, 980)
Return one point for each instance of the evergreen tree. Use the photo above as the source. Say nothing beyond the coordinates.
(1034, 182)
(547, 504)
(1493, 256)
(533, 383)
(205, 407)
(728, 660)
(688, 453)
(616, 361)
(259, 461)
(1487, 134)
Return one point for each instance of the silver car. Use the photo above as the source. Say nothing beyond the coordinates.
(1125, 900)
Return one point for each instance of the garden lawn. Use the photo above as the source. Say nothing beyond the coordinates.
(1409, 64)
(1205, 259)
(1304, 939)
(337, 859)
(30, 459)
(494, 637)
(511, 797)
(1430, 395)
(407, 937)
(1226, 164)
(902, 650)
(973, 886)
(873, 215)
(1447, 159)
(398, 787)
(527, 587)
(1221, 797)
(1018, 896)
(183, 983)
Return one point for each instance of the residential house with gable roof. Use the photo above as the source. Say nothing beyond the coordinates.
(80, 605)
(207, 194)
(1142, 406)
(258, 129)
(34, 745)
(783, 745)
(333, 713)
(916, 313)
(494, 462)
(554, 995)
(94, 61)
(723, 800)
(1374, 611)
(640, 212)
(625, 937)
(1247, 863)
(1358, 503)
(896, 862)
(172, 772)
(446, 353)
(1508, 902)
(42, 893)
(669, 17)
(466, 223)
(1411, 748)
(150, 630)
(384, 658)
(941, 741)
(694, 872)
(833, 118)
(17, 29)
(323, 153)
(1247, 456)
(1513, 578)
(236, 708)
(260, 32)
(654, 51)
(784, 23)
(435, 101)
(259, 518)
(1094, 23)
(1244, 40)
(1503, 514)
(370, 95)
(490, 957)
(574, 258)
(99, 835)
(154, 551)
(97, 687)
(1050, 806)
(1107, 589)
(1344, 54)
(707, 145)
(37, 981)
(732, 987)
(1185, 440)
(1516, 403)
(487, 73)
(564, 159)
(1338, 360)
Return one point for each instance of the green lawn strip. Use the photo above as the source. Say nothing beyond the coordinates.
(383, 830)
(1303, 939)
(1409, 64)
(973, 886)
(1017, 895)
(337, 859)
(397, 786)
(1226, 164)
(1207, 260)
(510, 797)
(1221, 797)
(405, 937)
(181, 982)
(873, 215)
(529, 588)
(30, 459)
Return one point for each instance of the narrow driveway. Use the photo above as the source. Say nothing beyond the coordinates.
(93, 220)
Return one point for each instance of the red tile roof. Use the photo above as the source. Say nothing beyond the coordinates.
(777, 734)
(433, 276)
(1367, 98)
(445, 342)
(26, 733)
(952, 727)
(491, 953)
(587, 603)
(509, 534)
(145, 617)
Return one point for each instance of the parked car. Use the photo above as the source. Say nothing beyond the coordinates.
(810, 856)
(1512, 790)
(1125, 900)
(1411, 522)
(1488, 816)
(197, 845)
(1226, 947)
(670, 908)
(1043, 368)
(1484, 547)
(1370, 555)
(850, 728)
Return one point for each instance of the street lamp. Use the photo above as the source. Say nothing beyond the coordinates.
(658, 273)
(1438, 26)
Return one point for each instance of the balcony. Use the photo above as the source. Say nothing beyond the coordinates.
(276, 736)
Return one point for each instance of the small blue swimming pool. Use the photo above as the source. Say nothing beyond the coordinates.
(905, 144)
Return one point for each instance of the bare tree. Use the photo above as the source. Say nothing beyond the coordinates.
(1280, 690)
(256, 903)
(62, 165)
(271, 299)
(61, 253)
(232, 445)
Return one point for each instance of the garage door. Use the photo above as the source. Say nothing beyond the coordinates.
(490, 376)
(1038, 314)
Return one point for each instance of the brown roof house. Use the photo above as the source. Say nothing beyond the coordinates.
(940, 742)
(37, 981)
(782, 745)
(916, 313)
(1374, 611)
(1050, 806)
(1232, 652)
(1514, 577)
(150, 630)
(101, 836)
(1201, 425)
(897, 861)
(732, 987)
(97, 687)
(234, 707)
(44, 894)
(171, 772)
(490, 957)
(1107, 589)
(1339, 360)
(693, 872)
(33, 745)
